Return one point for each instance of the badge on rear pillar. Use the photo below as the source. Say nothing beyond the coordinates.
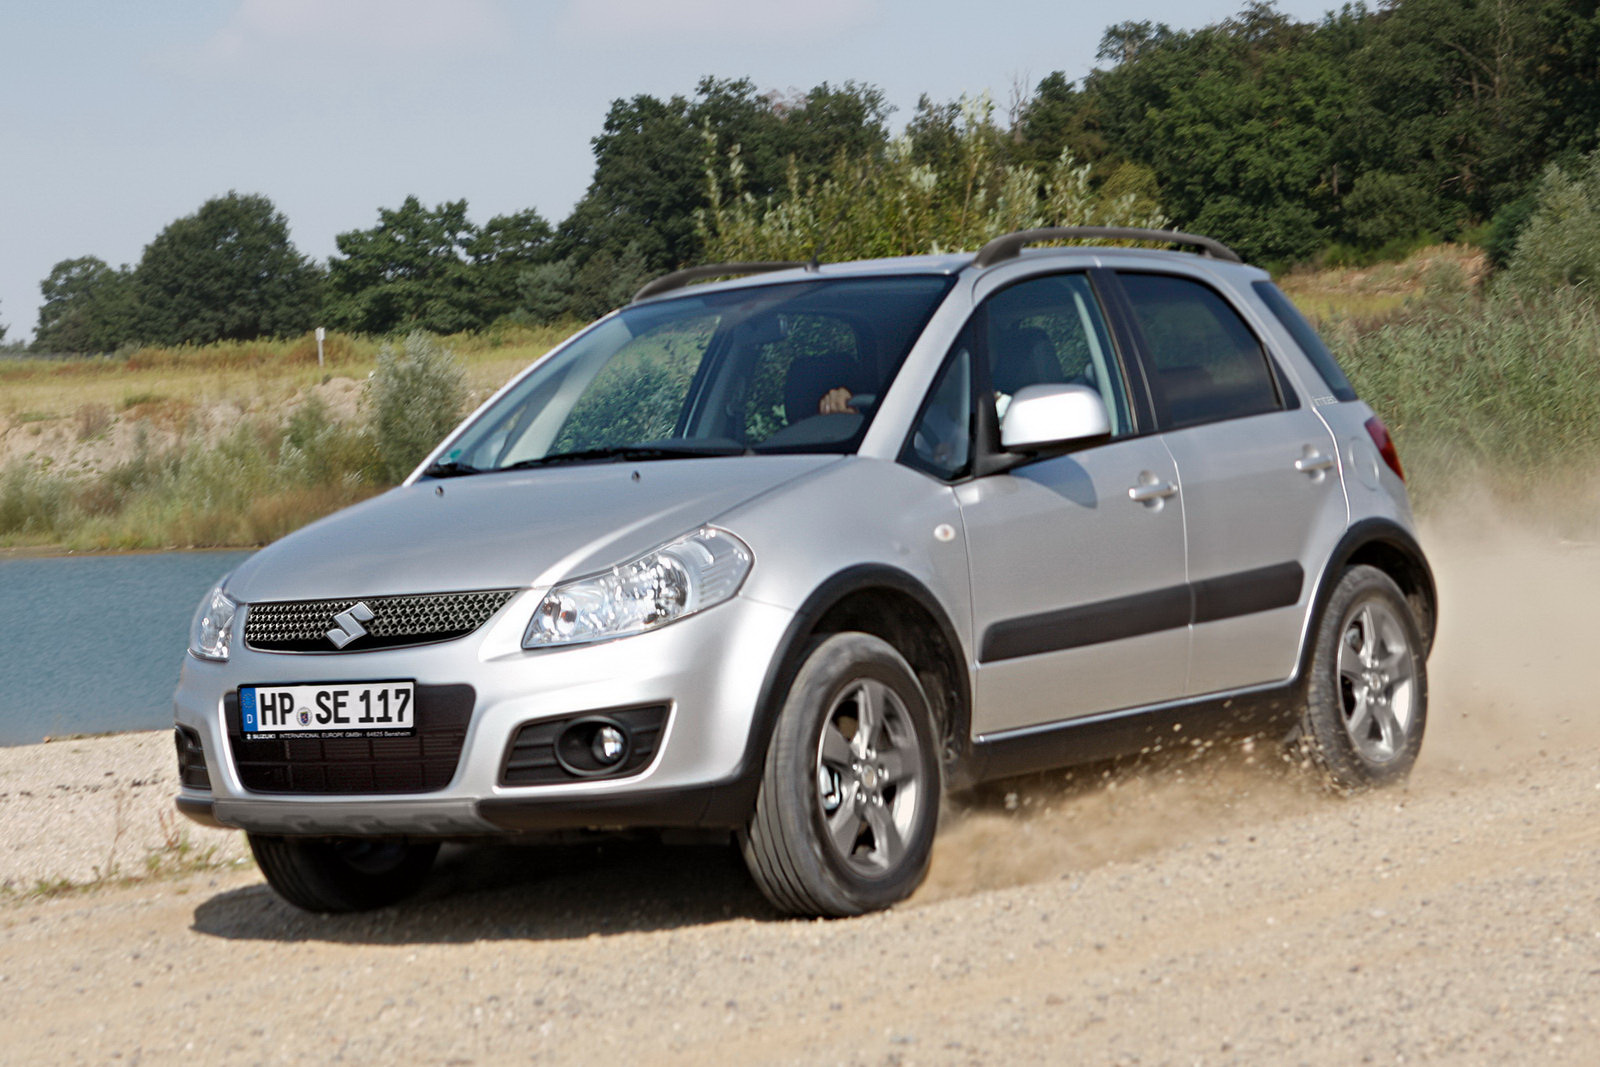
(347, 624)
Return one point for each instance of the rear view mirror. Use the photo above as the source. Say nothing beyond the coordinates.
(1052, 416)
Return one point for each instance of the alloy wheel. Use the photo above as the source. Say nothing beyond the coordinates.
(869, 777)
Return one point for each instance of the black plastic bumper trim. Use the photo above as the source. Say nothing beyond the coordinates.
(719, 806)
(201, 811)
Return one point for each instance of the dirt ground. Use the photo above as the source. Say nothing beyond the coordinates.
(1211, 909)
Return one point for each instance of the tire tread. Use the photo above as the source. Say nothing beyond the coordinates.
(309, 877)
(1318, 736)
(781, 854)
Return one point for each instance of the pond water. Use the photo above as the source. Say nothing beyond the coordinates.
(94, 643)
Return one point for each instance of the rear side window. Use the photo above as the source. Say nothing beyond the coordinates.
(1204, 362)
(1306, 337)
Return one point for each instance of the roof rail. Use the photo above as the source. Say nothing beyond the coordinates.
(679, 278)
(1010, 246)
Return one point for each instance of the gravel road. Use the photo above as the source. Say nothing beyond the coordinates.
(1213, 908)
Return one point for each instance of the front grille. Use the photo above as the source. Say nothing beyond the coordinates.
(397, 621)
(532, 760)
(192, 772)
(422, 763)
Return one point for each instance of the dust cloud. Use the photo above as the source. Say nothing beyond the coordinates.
(1512, 683)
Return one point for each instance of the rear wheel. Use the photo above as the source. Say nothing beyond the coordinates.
(849, 798)
(342, 874)
(1367, 696)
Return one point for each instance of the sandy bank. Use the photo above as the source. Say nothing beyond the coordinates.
(78, 811)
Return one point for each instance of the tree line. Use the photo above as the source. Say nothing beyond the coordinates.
(1372, 129)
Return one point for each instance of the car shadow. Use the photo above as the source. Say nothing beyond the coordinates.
(498, 892)
(504, 892)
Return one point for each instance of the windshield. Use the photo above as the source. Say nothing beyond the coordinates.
(797, 367)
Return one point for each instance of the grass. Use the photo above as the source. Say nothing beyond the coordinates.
(1476, 384)
(1376, 292)
(229, 451)
(134, 400)
(1362, 307)
(177, 858)
(256, 375)
(256, 483)
(1495, 386)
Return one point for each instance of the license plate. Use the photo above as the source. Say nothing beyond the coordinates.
(346, 709)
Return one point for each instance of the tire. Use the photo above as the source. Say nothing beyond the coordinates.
(342, 874)
(844, 820)
(1367, 689)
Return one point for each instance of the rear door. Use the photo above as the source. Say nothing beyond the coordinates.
(1262, 495)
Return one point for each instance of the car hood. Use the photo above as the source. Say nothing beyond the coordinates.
(502, 531)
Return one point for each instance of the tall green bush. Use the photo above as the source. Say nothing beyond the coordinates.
(322, 451)
(1560, 245)
(889, 204)
(417, 395)
(33, 505)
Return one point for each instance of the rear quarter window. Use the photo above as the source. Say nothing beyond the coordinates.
(1305, 335)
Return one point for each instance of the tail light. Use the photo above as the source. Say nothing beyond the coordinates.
(1385, 443)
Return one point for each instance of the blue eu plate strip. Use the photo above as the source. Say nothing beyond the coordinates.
(247, 708)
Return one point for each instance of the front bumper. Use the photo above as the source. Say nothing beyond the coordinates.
(709, 669)
(724, 806)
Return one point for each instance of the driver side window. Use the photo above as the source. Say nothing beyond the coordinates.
(1051, 330)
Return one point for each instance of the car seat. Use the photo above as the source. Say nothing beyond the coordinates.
(810, 378)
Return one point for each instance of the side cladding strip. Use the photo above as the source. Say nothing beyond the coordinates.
(1248, 592)
(1230, 596)
(1091, 624)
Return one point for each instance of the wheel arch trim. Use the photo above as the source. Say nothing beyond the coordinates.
(790, 652)
(1388, 537)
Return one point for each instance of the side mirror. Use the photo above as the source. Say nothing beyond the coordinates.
(1054, 416)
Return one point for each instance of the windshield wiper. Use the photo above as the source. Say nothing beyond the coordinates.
(628, 453)
(450, 468)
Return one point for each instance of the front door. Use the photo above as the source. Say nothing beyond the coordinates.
(1078, 574)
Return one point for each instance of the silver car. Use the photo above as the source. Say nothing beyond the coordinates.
(785, 557)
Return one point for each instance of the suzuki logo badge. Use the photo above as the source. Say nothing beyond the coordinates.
(348, 625)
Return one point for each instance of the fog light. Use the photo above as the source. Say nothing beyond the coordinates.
(608, 746)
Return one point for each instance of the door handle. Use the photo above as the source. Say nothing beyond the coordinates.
(1143, 494)
(1313, 462)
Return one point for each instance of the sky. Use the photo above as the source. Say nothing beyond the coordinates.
(117, 117)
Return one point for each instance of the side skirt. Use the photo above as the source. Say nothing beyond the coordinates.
(1094, 738)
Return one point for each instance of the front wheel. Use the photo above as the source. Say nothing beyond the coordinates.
(342, 874)
(1367, 694)
(849, 798)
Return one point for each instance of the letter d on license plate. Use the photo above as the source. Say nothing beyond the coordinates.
(344, 709)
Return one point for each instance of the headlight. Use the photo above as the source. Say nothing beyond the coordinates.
(665, 584)
(212, 628)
